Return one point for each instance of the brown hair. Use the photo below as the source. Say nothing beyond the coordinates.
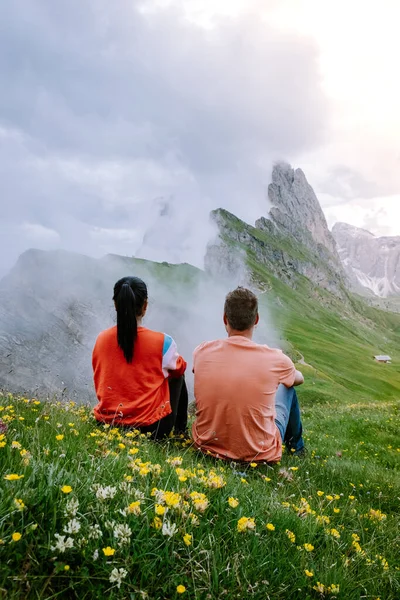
(241, 308)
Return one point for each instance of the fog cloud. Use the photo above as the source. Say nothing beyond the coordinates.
(120, 129)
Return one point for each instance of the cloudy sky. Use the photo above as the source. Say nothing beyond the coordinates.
(122, 124)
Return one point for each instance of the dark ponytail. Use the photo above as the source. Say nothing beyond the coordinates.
(130, 295)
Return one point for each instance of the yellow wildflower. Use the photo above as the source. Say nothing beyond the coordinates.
(200, 501)
(246, 523)
(330, 498)
(187, 538)
(159, 509)
(15, 445)
(16, 536)
(336, 510)
(59, 437)
(293, 468)
(134, 508)
(121, 446)
(334, 533)
(290, 535)
(108, 551)
(333, 589)
(172, 499)
(181, 589)
(319, 587)
(376, 515)
(13, 477)
(270, 527)
(253, 464)
(66, 567)
(66, 489)
(309, 547)
(308, 573)
(319, 493)
(157, 523)
(233, 502)
(19, 503)
(133, 451)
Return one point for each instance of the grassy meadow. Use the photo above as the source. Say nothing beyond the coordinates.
(91, 512)
(88, 511)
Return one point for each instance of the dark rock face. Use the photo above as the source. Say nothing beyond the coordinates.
(372, 263)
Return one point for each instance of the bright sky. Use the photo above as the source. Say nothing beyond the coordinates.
(359, 50)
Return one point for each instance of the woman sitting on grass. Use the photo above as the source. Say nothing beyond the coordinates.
(138, 373)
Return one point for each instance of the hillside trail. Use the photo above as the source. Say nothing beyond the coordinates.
(301, 361)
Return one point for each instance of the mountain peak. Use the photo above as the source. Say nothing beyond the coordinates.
(295, 209)
(351, 230)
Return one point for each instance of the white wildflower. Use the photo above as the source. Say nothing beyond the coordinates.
(159, 496)
(126, 487)
(62, 544)
(122, 532)
(95, 532)
(139, 495)
(72, 526)
(169, 528)
(95, 554)
(110, 524)
(117, 575)
(71, 507)
(106, 493)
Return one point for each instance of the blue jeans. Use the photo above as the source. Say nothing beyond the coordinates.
(288, 419)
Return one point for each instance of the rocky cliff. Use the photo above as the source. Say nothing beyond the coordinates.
(372, 263)
(293, 240)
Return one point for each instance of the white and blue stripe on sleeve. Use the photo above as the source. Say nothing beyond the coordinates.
(170, 355)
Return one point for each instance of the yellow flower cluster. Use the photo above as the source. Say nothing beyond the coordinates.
(375, 515)
(134, 508)
(291, 536)
(199, 501)
(245, 524)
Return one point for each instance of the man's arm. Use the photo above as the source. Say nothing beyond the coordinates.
(299, 378)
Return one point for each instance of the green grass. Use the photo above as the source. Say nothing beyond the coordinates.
(343, 498)
(354, 457)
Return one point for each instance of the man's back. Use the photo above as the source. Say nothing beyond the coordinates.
(235, 382)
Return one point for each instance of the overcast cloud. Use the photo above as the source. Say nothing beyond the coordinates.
(121, 128)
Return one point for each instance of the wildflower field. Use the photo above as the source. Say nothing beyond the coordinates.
(88, 511)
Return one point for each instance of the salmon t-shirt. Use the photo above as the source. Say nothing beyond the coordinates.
(235, 383)
(136, 393)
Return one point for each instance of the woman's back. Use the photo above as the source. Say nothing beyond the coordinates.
(134, 393)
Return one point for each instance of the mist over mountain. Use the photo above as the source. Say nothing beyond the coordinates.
(372, 263)
(53, 304)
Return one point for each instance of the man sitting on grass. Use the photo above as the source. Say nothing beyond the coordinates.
(246, 405)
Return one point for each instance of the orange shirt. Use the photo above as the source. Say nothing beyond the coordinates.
(137, 393)
(235, 382)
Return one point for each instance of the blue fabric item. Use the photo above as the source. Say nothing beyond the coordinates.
(288, 419)
(167, 344)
